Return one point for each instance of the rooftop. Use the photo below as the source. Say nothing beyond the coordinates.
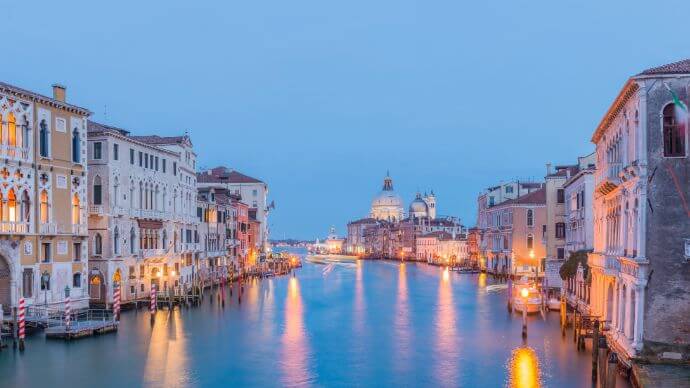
(680, 67)
(42, 98)
(537, 197)
(224, 175)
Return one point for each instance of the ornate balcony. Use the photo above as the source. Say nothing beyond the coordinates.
(151, 253)
(609, 181)
(14, 227)
(14, 152)
(96, 209)
(80, 230)
(49, 228)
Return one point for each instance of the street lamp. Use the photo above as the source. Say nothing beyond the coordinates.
(524, 293)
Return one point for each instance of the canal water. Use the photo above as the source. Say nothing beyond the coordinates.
(366, 323)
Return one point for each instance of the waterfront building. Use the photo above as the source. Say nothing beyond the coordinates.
(253, 192)
(640, 276)
(473, 241)
(142, 225)
(442, 248)
(514, 234)
(334, 244)
(43, 199)
(216, 226)
(240, 241)
(354, 242)
(554, 234)
(579, 193)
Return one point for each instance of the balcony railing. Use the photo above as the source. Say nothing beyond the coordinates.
(96, 209)
(14, 152)
(14, 227)
(148, 253)
(48, 228)
(80, 230)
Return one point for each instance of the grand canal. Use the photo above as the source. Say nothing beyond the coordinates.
(364, 323)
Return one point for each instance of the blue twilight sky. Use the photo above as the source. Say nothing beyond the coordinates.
(319, 98)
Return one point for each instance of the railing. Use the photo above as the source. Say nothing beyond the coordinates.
(147, 253)
(80, 230)
(96, 209)
(14, 227)
(14, 152)
(79, 319)
(48, 228)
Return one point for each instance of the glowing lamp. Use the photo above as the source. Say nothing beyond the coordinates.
(524, 293)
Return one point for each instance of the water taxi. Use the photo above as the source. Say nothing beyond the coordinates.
(533, 299)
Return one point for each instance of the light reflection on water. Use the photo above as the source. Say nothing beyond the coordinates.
(365, 324)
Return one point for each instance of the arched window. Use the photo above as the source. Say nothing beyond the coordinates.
(45, 216)
(674, 131)
(75, 209)
(97, 191)
(132, 241)
(116, 241)
(26, 207)
(12, 206)
(530, 241)
(11, 130)
(530, 217)
(116, 191)
(76, 280)
(43, 134)
(98, 244)
(76, 152)
(165, 239)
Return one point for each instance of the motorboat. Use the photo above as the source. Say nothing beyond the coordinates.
(554, 304)
(532, 303)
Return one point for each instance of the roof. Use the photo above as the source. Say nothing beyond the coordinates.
(162, 140)
(439, 234)
(367, 220)
(680, 67)
(224, 175)
(43, 99)
(537, 197)
(93, 126)
(563, 171)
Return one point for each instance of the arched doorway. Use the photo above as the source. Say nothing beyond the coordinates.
(96, 288)
(155, 277)
(5, 279)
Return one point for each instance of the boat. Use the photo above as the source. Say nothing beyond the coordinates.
(554, 304)
(534, 297)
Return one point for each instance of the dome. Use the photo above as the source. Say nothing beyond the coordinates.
(387, 199)
(387, 205)
(419, 208)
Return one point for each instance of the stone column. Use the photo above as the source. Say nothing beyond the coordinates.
(628, 313)
(639, 317)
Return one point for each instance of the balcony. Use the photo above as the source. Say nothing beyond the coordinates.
(231, 242)
(151, 253)
(80, 230)
(96, 209)
(14, 227)
(14, 152)
(610, 181)
(150, 214)
(49, 228)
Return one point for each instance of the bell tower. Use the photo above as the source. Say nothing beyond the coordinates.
(430, 200)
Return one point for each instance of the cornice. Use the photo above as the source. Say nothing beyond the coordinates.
(629, 89)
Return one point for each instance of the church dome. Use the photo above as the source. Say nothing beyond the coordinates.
(387, 205)
(419, 208)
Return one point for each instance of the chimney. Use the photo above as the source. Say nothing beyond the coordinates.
(59, 92)
(548, 168)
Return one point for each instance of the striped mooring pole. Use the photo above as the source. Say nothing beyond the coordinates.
(116, 302)
(68, 312)
(154, 306)
(21, 324)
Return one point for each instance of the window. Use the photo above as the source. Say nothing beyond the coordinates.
(530, 217)
(560, 196)
(132, 241)
(116, 152)
(530, 241)
(163, 165)
(141, 159)
(491, 201)
(44, 143)
(97, 150)
(509, 189)
(560, 253)
(146, 160)
(76, 151)
(45, 282)
(151, 161)
(76, 247)
(674, 132)
(156, 163)
(116, 241)
(98, 244)
(47, 252)
(75, 209)
(131, 156)
(175, 168)
(28, 282)
(45, 216)
(97, 191)
(76, 280)
(254, 193)
(560, 230)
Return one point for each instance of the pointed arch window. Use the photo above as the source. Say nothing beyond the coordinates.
(98, 244)
(132, 241)
(76, 152)
(116, 241)
(43, 138)
(45, 216)
(12, 215)
(530, 217)
(675, 122)
(530, 241)
(97, 191)
(11, 130)
(26, 207)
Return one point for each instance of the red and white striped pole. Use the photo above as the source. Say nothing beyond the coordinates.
(68, 312)
(116, 302)
(154, 306)
(21, 324)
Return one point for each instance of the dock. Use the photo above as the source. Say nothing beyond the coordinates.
(82, 324)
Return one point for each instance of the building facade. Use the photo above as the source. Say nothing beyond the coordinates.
(43, 227)
(640, 276)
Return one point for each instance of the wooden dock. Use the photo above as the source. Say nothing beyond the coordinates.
(82, 324)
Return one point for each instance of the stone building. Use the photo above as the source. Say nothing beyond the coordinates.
(252, 191)
(387, 205)
(354, 242)
(43, 191)
(142, 221)
(640, 274)
(216, 230)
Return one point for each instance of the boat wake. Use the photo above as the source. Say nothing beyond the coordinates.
(496, 287)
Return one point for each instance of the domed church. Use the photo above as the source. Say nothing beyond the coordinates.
(387, 205)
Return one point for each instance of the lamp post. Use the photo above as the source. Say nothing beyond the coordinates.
(524, 293)
(45, 279)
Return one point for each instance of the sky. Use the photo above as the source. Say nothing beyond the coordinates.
(320, 98)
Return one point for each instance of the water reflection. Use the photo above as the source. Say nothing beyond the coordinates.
(446, 347)
(402, 321)
(295, 349)
(523, 369)
(482, 280)
(166, 361)
(359, 300)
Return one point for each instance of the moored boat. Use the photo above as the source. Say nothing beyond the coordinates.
(532, 303)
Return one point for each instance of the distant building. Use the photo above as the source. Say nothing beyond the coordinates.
(387, 205)
(354, 243)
